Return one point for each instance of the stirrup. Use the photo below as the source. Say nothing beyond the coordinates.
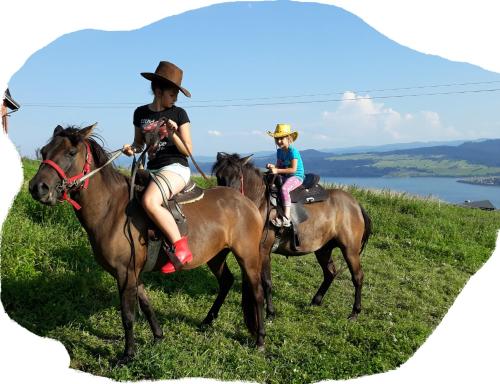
(286, 222)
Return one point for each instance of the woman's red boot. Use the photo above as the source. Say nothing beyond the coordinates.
(182, 252)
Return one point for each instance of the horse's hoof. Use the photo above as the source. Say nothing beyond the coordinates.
(317, 300)
(124, 360)
(158, 339)
(205, 324)
(261, 348)
(353, 316)
(270, 316)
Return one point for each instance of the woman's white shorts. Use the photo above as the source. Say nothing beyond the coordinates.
(176, 168)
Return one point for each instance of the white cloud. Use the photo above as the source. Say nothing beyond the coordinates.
(214, 133)
(359, 117)
(432, 118)
(321, 137)
(258, 133)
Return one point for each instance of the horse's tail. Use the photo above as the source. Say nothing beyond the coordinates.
(249, 305)
(368, 229)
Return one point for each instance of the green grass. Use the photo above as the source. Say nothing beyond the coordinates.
(421, 254)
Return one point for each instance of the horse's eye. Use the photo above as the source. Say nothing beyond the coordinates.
(73, 151)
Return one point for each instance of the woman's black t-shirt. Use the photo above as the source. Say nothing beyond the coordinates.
(166, 152)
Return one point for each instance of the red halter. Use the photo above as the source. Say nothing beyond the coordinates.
(69, 184)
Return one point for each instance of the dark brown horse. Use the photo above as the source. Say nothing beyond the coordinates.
(222, 221)
(339, 221)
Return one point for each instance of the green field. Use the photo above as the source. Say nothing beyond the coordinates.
(420, 255)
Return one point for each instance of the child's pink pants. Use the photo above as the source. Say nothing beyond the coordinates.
(289, 185)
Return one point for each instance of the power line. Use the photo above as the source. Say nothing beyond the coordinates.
(290, 96)
(358, 98)
(356, 91)
(345, 99)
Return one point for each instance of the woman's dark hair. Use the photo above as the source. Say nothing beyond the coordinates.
(162, 86)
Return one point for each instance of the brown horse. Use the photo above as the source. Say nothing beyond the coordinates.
(339, 221)
(117, 228)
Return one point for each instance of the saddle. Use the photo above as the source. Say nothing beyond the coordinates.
(156, 240)
(309, 192)
(189, 194)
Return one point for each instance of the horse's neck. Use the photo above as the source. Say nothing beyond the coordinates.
(99, 200)
(255, 189)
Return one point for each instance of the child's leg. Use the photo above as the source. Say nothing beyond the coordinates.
(288, 186)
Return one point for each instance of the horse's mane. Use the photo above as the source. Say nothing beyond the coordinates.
(99, 154)
(230, 165)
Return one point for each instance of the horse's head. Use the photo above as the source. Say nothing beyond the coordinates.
(65, 156)
(228, 169)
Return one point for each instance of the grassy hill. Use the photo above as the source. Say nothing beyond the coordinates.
(420, 256)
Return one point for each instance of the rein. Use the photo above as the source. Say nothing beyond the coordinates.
(268, 203)
(79, 181)
(161, 122)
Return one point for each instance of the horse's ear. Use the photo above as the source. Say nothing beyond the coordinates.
(221, 155)
(57, 130)
(87, 131)
(246, 159)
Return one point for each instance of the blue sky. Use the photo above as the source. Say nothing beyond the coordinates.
(463, 340)
(249, 66)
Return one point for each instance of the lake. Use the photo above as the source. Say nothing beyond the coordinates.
(443, 188)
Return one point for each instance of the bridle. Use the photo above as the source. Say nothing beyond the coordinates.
(242, 189)
(79, 181)
(73, 183)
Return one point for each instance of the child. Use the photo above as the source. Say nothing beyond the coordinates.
(289, 165)
(168, 160)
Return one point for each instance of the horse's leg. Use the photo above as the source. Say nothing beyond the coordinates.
(252, 293)
(324, 257)
(225, 278)
(148, 311)
(267, 284)
(127, 286)
(352, 257)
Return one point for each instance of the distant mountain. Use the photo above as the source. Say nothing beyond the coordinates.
(474, 158)
(478, 158)
(394, 147)
(486, 152)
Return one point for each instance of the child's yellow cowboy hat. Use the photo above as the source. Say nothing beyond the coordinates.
(283, 130)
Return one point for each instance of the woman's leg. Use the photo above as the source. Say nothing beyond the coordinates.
(288, 186)
(152, 202)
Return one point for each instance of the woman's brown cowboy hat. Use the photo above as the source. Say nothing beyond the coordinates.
(167, 72)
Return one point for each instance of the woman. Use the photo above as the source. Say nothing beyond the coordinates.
(167, 160)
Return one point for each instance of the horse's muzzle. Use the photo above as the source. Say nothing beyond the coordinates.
(40, 191)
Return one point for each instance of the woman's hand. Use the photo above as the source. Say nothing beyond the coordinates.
(128, 150)
(270, 166)
(171, 125)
